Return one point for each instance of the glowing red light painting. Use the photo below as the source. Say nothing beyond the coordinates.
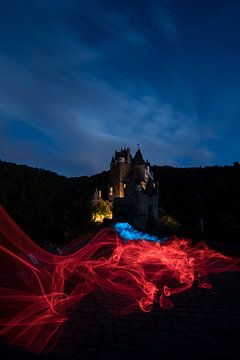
(37, 288)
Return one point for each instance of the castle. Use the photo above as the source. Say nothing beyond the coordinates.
(132, 192)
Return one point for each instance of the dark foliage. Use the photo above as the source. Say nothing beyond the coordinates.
(53, 208)
(50, 208)
(205, 201)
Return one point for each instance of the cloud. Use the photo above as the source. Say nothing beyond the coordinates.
(88, 119)
(63, 82)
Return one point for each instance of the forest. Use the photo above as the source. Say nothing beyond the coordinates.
(54, 209)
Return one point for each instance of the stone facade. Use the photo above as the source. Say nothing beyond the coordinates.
(132, 191)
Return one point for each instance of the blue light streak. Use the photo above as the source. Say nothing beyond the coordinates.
(128, 232)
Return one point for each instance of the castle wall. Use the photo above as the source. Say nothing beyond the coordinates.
(141, 205)
(141, 171)
(155, 208)
(119, 175)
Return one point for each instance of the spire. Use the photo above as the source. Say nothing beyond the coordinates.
(147, 162)
(129, 156)
(138, 158)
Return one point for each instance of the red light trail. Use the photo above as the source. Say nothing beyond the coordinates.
(38, 289)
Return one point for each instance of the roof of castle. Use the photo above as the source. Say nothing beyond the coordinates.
(138, 158)
(122, 153)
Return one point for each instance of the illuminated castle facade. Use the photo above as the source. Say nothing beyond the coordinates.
(133, 193)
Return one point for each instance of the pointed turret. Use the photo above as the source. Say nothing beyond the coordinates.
(112, 163)
(128, 157)
(138, 158)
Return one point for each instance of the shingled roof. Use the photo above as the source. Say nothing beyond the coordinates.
(138, 158)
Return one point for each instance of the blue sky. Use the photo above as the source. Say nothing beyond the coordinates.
(80, 79)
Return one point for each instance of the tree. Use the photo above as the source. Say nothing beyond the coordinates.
(101, 210)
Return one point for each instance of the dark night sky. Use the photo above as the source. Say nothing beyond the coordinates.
(80, 79)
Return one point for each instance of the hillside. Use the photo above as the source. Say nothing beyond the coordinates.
(49, 207)
(209, 196)
(54, 208)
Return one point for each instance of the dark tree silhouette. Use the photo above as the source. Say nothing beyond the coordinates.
(52, 208)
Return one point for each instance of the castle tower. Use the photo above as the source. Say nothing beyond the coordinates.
(122, 165)
(132, 191)
(120, 168)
